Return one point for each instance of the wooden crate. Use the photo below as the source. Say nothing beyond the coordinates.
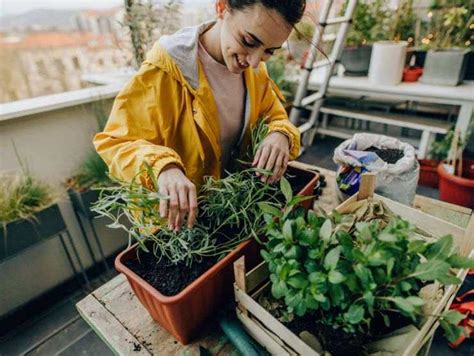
(279, 340)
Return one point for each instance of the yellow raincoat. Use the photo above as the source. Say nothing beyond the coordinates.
(167, 114)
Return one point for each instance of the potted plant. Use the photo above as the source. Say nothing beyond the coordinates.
(92, 173)
(277, 70)
(300, 40)
(341, 283)
(368, 20)
(446, 61)
(28, 213)
(456, 178)
(429, 166)
(388, 56)
(182, 278)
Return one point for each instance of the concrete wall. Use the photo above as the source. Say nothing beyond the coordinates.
(53, 143)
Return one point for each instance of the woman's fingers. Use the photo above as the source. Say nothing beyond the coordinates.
(183, 205)
(279, 168)
(173, 208)
(192, 196)
(164, 203)
(270, 165)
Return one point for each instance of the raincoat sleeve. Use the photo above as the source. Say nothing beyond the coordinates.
(140, 125)
(273, 111)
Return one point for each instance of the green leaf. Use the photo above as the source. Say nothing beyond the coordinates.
(317, 277)
(266, 256)
(355, 314)
(326, 230)
(363, 274)
(294, 252)
(364, 231)
(279, 289)
(288, 231)
(286, 189)
(270, 209)
(449, 279)
(452, 332)
(431, 270)
(417, 246)
(336, 277)
(298, 281)
(453, 317)
(331, 259)
(404, 306)
(387, 237)
(441, 249)
(457, 261)
(300, 198)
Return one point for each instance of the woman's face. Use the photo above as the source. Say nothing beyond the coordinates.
(250, 36)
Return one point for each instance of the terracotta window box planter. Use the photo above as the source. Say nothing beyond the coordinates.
(183, 315)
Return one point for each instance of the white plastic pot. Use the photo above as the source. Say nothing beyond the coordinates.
(387, 62)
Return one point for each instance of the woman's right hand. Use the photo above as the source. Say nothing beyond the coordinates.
(182, 201)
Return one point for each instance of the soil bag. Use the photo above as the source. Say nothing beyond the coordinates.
(394, 163)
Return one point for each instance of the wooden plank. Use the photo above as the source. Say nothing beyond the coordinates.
(259, 334)
(109, 286)
(452, 213)
(430, 224)
(367, 186)
(110, 330)
(443, 304)
(268, 320)
(256, 276)
(467, 243)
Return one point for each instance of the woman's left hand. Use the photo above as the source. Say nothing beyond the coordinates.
(273, 155)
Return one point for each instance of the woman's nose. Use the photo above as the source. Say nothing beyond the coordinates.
(254, 58)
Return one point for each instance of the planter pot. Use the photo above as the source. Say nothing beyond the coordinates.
(429, 173)
(387, 62)
(470, 67)
(412, 74)
(183, 315)
(356, 60)
(445, 67)
(24, 233)
(82, 201)
(457, 190)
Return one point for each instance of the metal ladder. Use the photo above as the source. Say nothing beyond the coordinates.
(302, 102)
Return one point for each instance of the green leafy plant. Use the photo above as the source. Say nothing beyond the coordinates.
(21, 196)
(439, 149)
(276, 67)
(450, 24)
(92, 173)
(345, 270)
(147, 20)
(228, 215)
(370, 23)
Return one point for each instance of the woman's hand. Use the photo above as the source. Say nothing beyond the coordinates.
(182, 201)
(273, 155)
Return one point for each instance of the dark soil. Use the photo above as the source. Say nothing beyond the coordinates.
(335, 341)
(389, 155)
(167, 278)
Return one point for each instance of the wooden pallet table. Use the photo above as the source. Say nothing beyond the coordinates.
(116, 315)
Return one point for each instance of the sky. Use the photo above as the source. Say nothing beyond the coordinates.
(9, 7)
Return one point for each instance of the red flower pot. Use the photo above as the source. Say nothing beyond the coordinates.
(412, 74)
(457, 190)
(429, 172)
(184, 314)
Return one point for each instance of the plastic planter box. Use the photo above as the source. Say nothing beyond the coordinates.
(184, 314)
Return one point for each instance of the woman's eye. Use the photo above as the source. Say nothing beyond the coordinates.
(270, 52)
(248, 44)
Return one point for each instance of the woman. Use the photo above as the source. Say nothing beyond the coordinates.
(190, 108)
